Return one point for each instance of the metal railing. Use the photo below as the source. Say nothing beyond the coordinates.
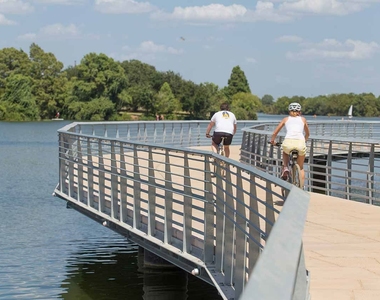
(343, 158)
(144, 181)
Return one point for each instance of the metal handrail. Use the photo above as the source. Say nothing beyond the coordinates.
(163, 195)
(339, 163)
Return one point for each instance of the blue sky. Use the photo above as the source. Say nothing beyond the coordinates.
(285, 48)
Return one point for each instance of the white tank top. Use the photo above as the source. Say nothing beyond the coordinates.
(294, 128)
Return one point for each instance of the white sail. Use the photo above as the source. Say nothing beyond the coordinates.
(350, 112)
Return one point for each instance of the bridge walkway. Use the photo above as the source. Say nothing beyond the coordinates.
(342, 247)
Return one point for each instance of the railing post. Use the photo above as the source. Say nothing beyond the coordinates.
(349, 172)
(371, 175)
(241, 237)
(80, 170)
(114, 184)
(229, 242)
(187, 206)
(151, 195)
(168, 229)
(123, 186)
(90, 174)
(209, 216)
(101, 178)
(136, 190)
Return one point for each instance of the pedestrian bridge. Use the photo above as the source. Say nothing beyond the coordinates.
(152, 182)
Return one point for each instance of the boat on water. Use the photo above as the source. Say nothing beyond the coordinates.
(57, 119)
(349, 114)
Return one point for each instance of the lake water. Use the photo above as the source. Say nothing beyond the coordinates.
(50, 252)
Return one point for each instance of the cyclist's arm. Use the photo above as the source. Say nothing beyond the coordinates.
(277, 130)
(235, 128)
(209, 127)
(306, 128)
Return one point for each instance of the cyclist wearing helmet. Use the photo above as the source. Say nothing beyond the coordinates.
(297, 133)
(225, 126)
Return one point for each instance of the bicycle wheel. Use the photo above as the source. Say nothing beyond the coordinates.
(296, 176)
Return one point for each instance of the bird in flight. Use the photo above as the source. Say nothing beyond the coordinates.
(182, 38)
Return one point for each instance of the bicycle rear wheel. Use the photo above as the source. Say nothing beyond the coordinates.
(296, 176)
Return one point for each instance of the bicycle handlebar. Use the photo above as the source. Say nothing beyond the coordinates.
(275, 144)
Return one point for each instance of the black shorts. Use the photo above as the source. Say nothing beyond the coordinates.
(217, 138)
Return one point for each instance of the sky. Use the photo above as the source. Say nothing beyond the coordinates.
(285, 48)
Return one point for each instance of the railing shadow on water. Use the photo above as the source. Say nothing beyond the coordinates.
(149, 182)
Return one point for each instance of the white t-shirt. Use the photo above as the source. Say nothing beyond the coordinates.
(294, 128)
(224, 121)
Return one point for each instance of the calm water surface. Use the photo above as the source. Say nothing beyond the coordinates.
(50, 252)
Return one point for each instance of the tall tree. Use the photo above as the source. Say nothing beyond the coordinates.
(166, 103)
(99, 78)
(267, 100)
(237, 82)
(245, 106)
(50, 84)
(17, 102)
(13, 61)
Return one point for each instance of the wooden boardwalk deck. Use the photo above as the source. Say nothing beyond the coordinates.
(342, 248)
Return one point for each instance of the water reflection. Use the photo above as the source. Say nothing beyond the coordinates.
(117, 271)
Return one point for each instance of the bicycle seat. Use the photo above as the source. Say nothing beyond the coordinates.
(294, 153)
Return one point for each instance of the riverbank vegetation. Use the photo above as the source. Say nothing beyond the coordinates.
(35, 86)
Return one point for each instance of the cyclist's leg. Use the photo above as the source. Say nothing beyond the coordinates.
(300, 162)
(227, 150)
(216, 139)
(227, 143)
(287, 146)
(301, 159)
(214, 147)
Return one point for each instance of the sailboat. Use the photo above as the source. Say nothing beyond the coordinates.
(349, 114)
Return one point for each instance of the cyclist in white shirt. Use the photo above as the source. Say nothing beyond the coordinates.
(225, 126)
(297, 133)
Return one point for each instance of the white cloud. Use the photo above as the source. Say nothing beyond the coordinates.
(250, 60)
(60, 30)
(151, 47)
(5, 21)
(27, 37)
(15, 7)
(62, 2)
(333, 49)
(332, 7)
(224, 13)
(57, 32)
(148, 51)
(289, 39)
(273, 11)
(123, 7)
(209, 12)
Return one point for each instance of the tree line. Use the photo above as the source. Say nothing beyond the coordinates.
(35, 86)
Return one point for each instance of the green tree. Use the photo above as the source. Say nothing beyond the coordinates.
(203, 100)
(267, 100)
(17, 102)
(245, 106)
(13, 61)
(166, 103)
(50, 84)
(99, 78)
(237, 82)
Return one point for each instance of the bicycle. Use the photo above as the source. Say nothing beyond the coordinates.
(220, 151)
(294, 176)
